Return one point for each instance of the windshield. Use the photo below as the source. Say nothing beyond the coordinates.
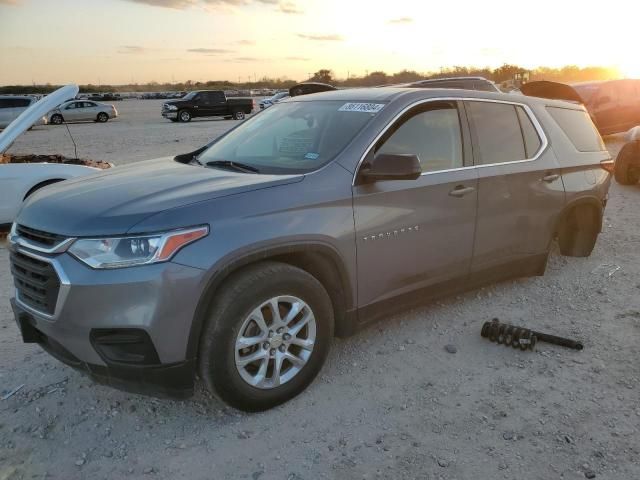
(189, 95)
(278, 96)
(290, 137)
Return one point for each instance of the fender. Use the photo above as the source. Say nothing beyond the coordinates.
(235, 261)
(591, 201)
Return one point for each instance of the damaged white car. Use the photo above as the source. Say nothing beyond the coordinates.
(23, 175)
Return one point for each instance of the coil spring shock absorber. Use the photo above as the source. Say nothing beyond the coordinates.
(523, 338)
(505, 334)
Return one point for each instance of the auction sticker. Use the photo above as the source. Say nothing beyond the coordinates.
(361, 107)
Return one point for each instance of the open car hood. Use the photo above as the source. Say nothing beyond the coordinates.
(551, 90)
(33, 113)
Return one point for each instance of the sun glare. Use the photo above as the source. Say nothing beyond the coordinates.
(631, 70)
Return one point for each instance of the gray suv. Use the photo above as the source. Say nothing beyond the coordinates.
(240, 261)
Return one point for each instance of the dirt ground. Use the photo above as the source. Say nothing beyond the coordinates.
(391, 401)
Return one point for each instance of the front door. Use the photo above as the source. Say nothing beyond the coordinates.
(412, 234)
(520, 189)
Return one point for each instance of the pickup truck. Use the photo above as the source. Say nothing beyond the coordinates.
(207, 103)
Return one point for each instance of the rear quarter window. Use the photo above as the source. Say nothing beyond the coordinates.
(577, 125)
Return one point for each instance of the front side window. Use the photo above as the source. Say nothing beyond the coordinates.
(498, 136)
(433, 135)
(289, 138)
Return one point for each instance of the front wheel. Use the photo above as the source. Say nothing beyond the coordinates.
(267, 336)
(103, 117)
(184, 116)
(57, 119)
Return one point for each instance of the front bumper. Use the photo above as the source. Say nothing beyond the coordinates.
(170, 114)
(159, 300)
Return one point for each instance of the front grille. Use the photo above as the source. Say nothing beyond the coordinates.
(39, 237)
(36, 282)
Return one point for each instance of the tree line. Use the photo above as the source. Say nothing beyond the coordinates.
(566, 74)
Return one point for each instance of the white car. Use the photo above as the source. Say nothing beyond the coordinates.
(267, 102)
(82, 110)
(19, 180)
(11, 106)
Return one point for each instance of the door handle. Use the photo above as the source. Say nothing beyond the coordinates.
(461, 191)
(550, 177)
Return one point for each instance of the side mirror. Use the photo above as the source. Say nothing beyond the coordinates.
(391, 166)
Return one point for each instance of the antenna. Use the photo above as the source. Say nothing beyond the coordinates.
(75, 148)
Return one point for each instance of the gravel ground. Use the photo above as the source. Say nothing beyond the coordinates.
(392, 402)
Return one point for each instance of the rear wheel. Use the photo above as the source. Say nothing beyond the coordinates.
(57, 119)
(184, 116)
(267, 336)
(627, 166)
(238, 115)
(102, 117)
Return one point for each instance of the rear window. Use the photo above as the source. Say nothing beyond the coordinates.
(577, 125)
(6, 103)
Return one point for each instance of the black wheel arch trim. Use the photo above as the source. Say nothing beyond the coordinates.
(234, 262)
(591, 201)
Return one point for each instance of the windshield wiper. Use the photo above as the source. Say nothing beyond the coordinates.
(230, 165)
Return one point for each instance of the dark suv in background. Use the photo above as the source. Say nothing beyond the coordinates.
(614, 105)
(241, 260)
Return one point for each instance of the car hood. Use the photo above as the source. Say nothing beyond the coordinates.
(551, 90)
(27, 118)
(113, 202)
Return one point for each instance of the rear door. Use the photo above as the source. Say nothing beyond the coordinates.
(89, 110)
(520, 191)
(412, 234)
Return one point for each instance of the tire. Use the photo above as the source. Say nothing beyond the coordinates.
(231, 315)
(578, 233)
(57, 119)
(184, 116)
(627, 165)
(238, 115)
(102, 117)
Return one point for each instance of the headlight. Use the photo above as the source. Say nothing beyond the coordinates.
(171, 107)
(134, 250)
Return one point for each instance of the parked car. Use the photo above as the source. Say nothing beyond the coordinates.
(11, 106)
(85, 110)
(267, 102)
(307, 88)
(464, 83)
(22, 176)
(242, 259)
(207, 103)
(614, 105)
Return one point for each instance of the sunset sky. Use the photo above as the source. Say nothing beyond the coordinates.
(122, 41)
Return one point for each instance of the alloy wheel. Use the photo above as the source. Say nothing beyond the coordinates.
(275, 342)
